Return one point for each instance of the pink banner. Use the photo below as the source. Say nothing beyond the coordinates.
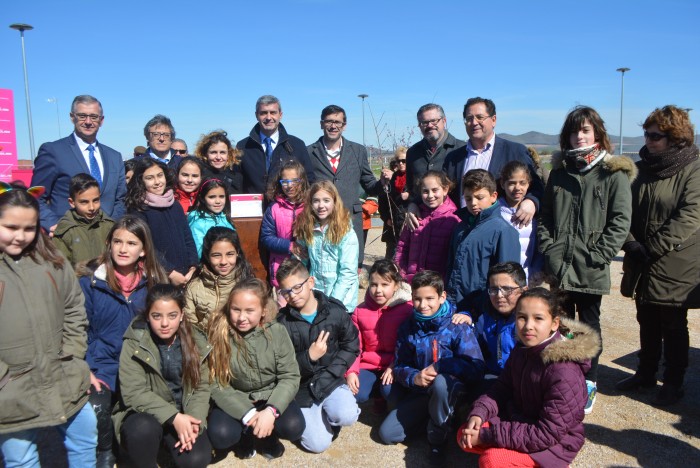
(8, 135)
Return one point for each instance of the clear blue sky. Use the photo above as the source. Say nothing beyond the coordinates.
(204, 63)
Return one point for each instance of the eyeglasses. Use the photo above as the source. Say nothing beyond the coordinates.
(505, 291)
(296, 289)
(401, 161)
(164, 135)
(477, 118)
(333, 123)
(653, 136)
(286, 182)
(425, 123)
(182, 151)
(84, 117)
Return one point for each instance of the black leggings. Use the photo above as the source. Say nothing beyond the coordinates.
(142, 435)
(103, 402)
(225, 431)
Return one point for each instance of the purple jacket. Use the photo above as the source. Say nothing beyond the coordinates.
(428, 246)
(536, 405)
(277, 231)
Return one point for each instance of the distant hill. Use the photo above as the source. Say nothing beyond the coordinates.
(550, 142)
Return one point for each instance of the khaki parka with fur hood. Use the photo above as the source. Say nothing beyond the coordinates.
(584, 220)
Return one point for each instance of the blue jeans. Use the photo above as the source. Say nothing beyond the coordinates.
(79, 436)
(436, 404)
(371, 379)
(337, 409)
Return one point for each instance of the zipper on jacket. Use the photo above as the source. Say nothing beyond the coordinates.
(598, 193)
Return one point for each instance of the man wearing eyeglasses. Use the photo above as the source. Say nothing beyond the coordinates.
(58, 161)
(346, 164)
(485, 150)
(267, 145)
(160, 134)
(429, 153)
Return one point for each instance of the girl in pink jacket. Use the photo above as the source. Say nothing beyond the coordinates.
(387, 305)
(287, 192)
(426, 247)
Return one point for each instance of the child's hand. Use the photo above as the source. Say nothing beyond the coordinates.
(319, 347)
(353, 382)
(470, 432)
(95, 382)
(425, 377)
(459, 319)
(177, 279)
(388, 376)
(187, 428)
(412, 219)
(262, 423)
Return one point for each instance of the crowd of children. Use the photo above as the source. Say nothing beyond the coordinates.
(165, 338)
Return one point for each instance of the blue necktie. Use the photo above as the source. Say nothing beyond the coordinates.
(268, 152)
(94, 167)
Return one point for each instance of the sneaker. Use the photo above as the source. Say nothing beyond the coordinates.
(437, 455)
(271, 447)
(245, 448)
(592, 394)
(635, 382)
(668, 395)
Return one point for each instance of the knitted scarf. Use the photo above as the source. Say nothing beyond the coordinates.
(160, 201)
(583, 159)
(665, 164)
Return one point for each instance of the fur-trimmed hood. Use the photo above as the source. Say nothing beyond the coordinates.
(580, 344)
(610, 163)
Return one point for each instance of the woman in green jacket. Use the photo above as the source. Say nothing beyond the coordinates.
(584, 219)
(255, 375)
(662, 252)
(44, 380)
(164, 382)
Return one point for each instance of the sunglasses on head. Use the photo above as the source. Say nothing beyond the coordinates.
(653, 136)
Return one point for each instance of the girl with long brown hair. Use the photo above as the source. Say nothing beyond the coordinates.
(164, 385)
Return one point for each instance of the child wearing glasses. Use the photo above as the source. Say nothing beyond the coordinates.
(287, 192)
(326, 345)
(481, 240)
(222, 266)
(585, 217)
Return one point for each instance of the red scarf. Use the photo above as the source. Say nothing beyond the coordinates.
(126, 284)
(400, 182)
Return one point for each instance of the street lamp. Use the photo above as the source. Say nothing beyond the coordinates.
(58, 117)
(622, 100)
(21, 27)
(363, 96)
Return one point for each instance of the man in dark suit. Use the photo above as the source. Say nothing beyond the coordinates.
(429, 153)
(346, 164)
(485, 150)
(160, 134)
(60, 160)
(267, 145)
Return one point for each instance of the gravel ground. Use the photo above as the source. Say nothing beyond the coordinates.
(623, 430)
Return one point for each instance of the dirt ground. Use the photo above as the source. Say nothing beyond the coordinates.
(623, 430)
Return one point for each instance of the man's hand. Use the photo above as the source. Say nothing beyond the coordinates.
(425, 377)
(319, 347)
(177, 279)
(526, 211)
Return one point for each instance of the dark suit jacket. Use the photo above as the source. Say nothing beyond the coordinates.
(504, 151)
(353, 175)
(419, 161)
(60, 160)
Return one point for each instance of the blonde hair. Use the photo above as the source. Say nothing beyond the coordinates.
(338, 222)
(220, 329)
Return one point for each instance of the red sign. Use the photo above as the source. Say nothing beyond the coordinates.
(8, 135)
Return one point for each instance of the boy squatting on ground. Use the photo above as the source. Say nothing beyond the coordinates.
(82, 231)
(435, 360)
(326, 345)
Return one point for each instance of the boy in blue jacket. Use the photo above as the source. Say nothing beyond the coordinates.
(435, 360)
(482, 239)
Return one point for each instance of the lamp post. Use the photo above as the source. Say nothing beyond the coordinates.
(21, 27)
(363, 96)
(622, 100)
(58, 117)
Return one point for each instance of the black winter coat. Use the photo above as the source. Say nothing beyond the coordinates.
(320, 378)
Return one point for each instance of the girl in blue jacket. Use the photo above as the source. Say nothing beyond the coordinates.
(115, 293)
(324, 228)
(213, 208)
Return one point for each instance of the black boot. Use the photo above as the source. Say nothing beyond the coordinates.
(105, 459)
(636, 381)
(668, 395)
